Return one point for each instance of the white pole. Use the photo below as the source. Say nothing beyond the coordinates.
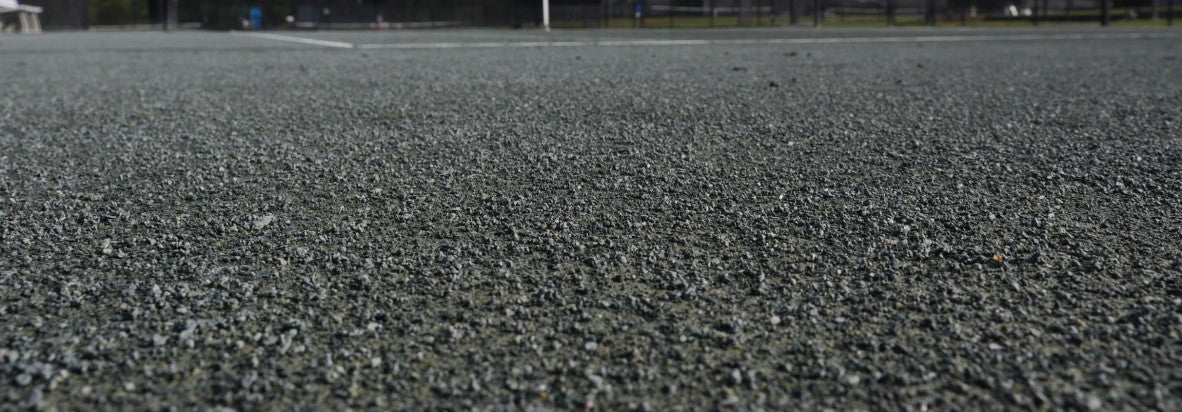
(546, 14)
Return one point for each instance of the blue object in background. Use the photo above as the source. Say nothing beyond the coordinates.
(256, 17)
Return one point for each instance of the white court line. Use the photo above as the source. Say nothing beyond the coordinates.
(295, 39)
(822, 40)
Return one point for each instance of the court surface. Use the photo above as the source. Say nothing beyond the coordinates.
(649, 219)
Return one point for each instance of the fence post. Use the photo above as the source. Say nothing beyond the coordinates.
(817, 13)
(1170, 13)
(640, 13)
(160, 5)
(1104, 17)
(170, 18)
(890, 10)
(930, 15)
(794, 15)
(603, 12)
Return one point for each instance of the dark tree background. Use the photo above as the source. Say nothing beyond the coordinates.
(75, 14)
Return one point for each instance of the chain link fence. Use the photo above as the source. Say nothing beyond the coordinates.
(754, 13)
(394, 14)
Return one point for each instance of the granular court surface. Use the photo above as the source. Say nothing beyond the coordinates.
(648, 219)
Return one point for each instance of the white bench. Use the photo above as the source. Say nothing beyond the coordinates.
(28, 17)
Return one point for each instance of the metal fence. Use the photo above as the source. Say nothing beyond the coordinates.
(391, 14)
(724, 13)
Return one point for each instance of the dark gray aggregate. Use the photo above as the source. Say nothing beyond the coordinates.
(200, 220)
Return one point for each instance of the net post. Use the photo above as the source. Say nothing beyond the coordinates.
(546, 14)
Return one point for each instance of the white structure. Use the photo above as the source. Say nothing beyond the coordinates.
(27, 17)
(546, 14)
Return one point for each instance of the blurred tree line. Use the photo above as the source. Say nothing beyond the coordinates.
(228, 13)
(108, 12)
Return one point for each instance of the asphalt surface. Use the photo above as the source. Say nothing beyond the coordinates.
(207, 220)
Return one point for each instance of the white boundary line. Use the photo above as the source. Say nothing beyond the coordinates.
(822, 40)
(280, 37)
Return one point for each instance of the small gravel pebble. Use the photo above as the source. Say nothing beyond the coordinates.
(35, 399)
(260, 222)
